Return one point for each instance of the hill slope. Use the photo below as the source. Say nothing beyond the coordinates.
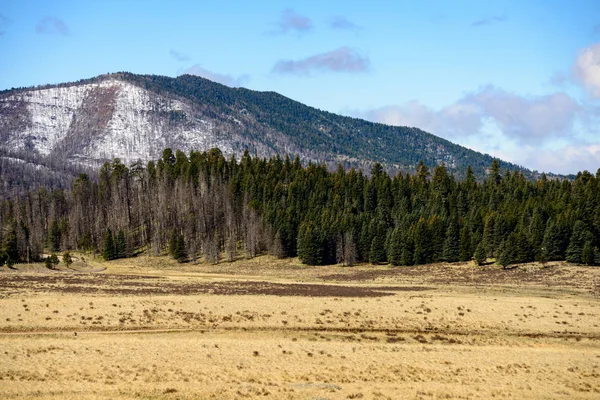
(72, 126)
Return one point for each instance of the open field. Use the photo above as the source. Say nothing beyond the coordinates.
(150, 328)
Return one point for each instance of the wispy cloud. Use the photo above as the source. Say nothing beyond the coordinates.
(527, 120)
(341, 22)
(489, 20)
(179, 56)
(52, 26)
(568, 159)
(553, 132)
(587, 69)
(559, 79)
(224, 79)
(4, 21)
(521, 129)
(292, 22)
(343, 59)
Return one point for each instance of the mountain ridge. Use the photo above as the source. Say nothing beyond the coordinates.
(134, 117)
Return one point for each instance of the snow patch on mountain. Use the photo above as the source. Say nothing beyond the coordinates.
(140, 123)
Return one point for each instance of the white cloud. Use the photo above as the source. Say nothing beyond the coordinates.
(341, 22)
(553, 132)
(456, 120)
(567, 160)
(527, 120)
(343, 59)
(561, 156)
(546, 133)
(227, 80)
(587, 69)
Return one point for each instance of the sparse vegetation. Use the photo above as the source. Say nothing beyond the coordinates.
(217, 330)
(67, 259)
(51, 261)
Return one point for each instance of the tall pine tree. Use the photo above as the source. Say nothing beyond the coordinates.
(108, 252)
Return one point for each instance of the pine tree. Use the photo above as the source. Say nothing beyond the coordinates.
(588, 256)
(108, 252)
(10, 246)
(505, 255)
(451, 244)
(67, 259)
(51, 261)
(54, 236)
(552, 245)
(54, 260)
(395, 247)
(365, 240)
(494, 172)
(377, 254)
(173, 241)
(371, 195)
(437, 234)
(464, 250)
(579, 237)
(480, 255)
(536, 232)
(309, 249)
(524, 251)
(489, 236)
(120, 245)
(470, 182)
(407, 257)
(422, 172)
(422, 243)
(179, 252)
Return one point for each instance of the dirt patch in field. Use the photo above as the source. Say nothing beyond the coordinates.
(553, 275)
(131, 285)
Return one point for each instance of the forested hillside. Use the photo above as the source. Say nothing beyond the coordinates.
(202, 205)
(321, 135)
(48, 132)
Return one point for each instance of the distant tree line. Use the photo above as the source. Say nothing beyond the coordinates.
(204, 205)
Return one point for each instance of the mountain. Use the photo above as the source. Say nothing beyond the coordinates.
(50, 133)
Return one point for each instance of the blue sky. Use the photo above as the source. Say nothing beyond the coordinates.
(519, 80)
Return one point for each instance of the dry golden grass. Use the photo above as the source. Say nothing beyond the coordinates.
(150, 328)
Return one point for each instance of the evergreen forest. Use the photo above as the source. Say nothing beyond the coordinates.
(203, 206)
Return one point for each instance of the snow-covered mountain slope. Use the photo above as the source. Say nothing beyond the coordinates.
(93, 122)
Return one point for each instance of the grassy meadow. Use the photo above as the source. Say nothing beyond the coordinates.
(149, 328)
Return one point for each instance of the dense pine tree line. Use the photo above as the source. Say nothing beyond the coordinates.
(203, 205)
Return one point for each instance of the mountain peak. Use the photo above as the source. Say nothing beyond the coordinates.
(134, 117)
